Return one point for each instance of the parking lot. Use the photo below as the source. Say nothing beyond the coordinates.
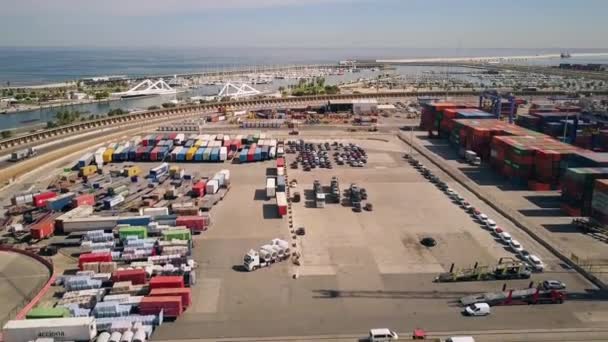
(358, 270)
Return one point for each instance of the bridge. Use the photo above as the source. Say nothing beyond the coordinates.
(235, 92)
(147, 87)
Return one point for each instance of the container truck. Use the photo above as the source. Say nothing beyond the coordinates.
(277, 250)
(23, 154)
(58, 329)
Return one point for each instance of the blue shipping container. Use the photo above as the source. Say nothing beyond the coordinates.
(60, 202)
(132, 153)
(243, 155)
(258, 154)
(281, 183)
(199, 154)
(264, 152)
(215, 154)
(134, 220)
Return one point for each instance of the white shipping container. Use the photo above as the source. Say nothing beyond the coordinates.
(280, 171)
(271, 187)
(272, 153)
(212, 186)
(223, 153)
(60, 329)
(154, 211)
(226, 177)
(80, 224)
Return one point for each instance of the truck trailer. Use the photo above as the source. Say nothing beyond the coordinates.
(278, 250)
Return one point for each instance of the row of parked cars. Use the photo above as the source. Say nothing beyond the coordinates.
(533, 260)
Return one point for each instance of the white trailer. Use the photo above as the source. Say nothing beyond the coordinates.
(58, 329)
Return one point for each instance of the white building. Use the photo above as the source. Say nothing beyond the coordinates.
(365, 106)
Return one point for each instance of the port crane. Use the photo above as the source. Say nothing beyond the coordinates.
(496, 103)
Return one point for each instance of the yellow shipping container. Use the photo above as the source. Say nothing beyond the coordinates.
(190, 153)
(198, 143)
(89, 170)
(107, 155)
(133, 171)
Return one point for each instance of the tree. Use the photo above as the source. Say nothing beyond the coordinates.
(117, 111)
(153, 108)
(101, 95)
(168, 105)
(6, 134)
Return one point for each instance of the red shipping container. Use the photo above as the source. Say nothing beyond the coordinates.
(43, 229)
(183, 292)
(171, 306)
(86, 199)
(281, 162)
(172, 136)
(94, 257)
(136, 277)
(251, 152)
(199, 188)
(194, 223)
(40, 199)
(166, 282)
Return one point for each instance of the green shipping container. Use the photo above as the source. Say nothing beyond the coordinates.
(177, 234)
(42, 313)
(139, 231)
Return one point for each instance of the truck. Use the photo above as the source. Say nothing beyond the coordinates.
(22, 154)
(507, 268)
(516, 297)
(57, 329)
(277, 250)
(472, 158)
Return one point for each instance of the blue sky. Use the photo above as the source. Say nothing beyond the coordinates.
(305, 23)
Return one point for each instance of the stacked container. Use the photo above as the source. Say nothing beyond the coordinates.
(599, 201)
(577, 187)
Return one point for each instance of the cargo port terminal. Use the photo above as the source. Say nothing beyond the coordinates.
(189, 222)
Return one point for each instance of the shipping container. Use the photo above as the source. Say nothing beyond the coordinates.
(281, 185)
(184, 292)
(176, 234)
(135, 276)
(85, 160)
(140, 232)
(281, 162)
(107, 155)
(243, 155)
(93, 257)
(45, 312)
(599, 201)
(58, 329)
(223, 153)
(281, 203)
(194, 223)
(43, 229)
(270, 187)
(171, 306)
(60, 202)
(166, 282)
(212, 186)
(198, 189)
(41, 199)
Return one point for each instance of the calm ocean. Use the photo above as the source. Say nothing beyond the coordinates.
(27, 66)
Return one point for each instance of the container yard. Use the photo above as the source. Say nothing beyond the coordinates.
(173, 235)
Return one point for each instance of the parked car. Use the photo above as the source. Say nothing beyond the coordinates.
(516, 246)
(524, 255)
(505, 237)
(477, 309)
(491, 224)
(382, 335)
(553, 285)
(536, 263)
(482, 217)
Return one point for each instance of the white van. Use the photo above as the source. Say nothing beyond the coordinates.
(477, 309)
(460, 339)
(382, 335)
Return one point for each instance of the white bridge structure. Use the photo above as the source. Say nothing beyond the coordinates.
(148, 87)
(241, 91)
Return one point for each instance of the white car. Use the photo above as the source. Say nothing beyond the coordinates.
(450, 192)
(536, 263)
(477, 309)
(382, 335)
(482, 217)
(491, 224)
(459, 198)
(516, 246)
(505, 237)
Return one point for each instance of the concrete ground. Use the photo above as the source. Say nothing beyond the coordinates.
(359, 270)
(540, 208)
(20, 277)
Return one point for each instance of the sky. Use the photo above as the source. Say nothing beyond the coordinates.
(305, 23)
